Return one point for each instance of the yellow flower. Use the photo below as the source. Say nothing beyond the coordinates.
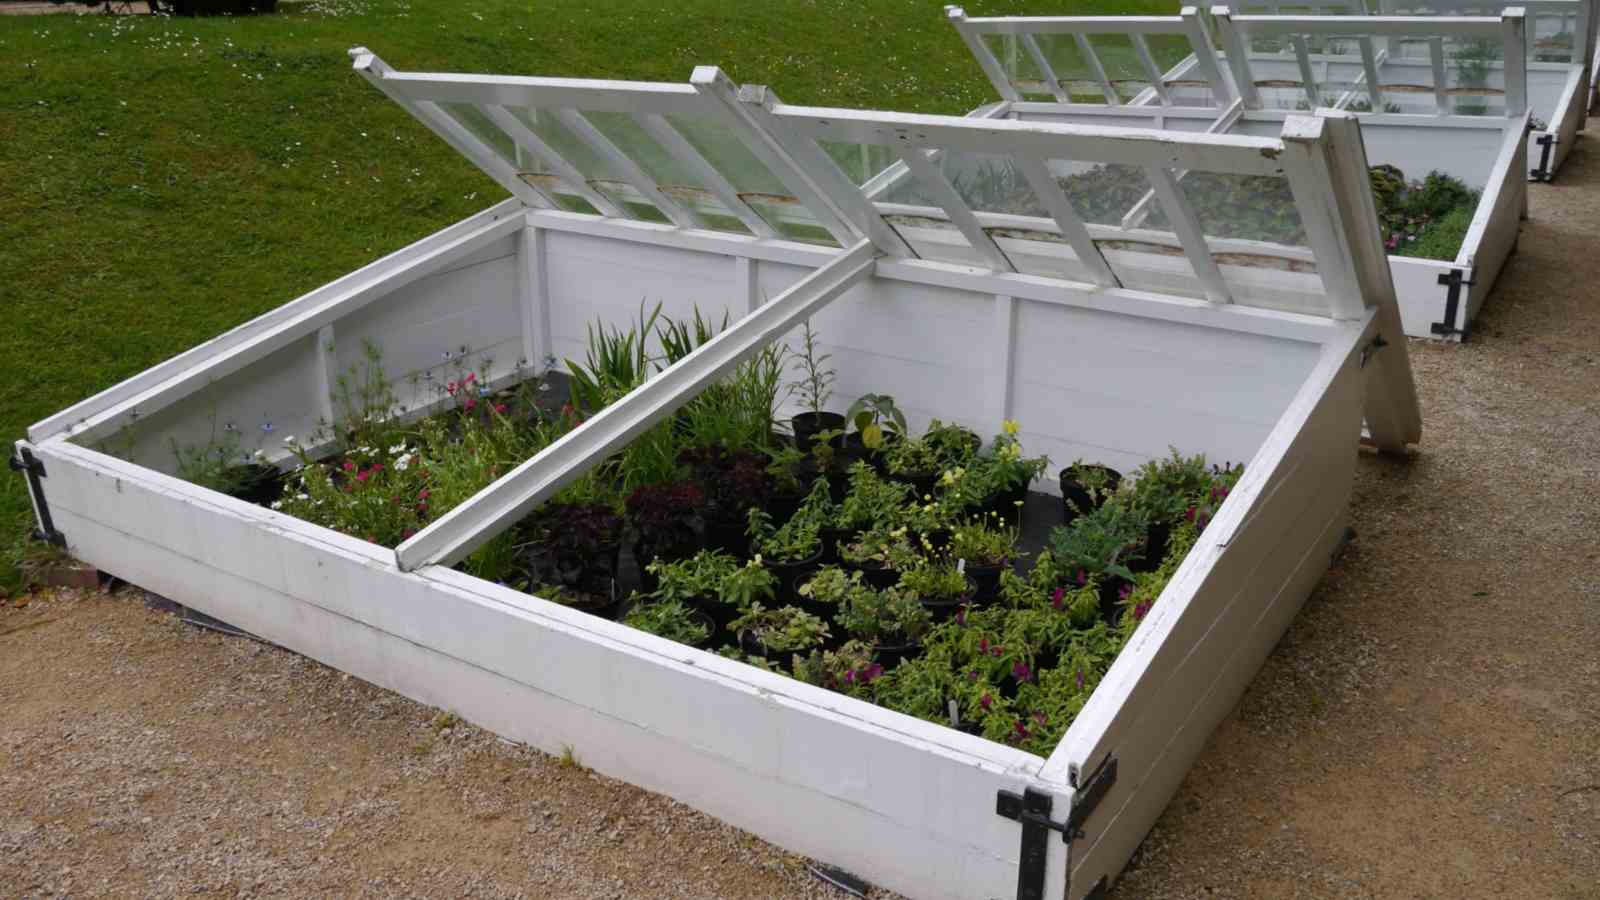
(1010, 426)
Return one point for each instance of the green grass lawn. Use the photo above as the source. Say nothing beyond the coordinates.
(165, 180)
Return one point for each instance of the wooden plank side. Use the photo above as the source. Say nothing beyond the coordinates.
(1220, 617)
(1207, 584)
(1493, 244)
(239, 335)
(883, 795)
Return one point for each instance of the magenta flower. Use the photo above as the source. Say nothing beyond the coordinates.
(1124, 592)
(1057, 598)
(1189, 514)
(961, 617)
(985, 701)
(1080, 679)
(1021, 672)
(1082, 579)
(1140, 611)
(1022, 730)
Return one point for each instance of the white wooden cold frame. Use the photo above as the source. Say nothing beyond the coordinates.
(1489, 153)
(1090, 367)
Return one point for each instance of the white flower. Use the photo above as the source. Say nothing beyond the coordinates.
(261, 454)
(302, 496)
(277, 504)
(397, 448)
(289, 439)
(401, 464)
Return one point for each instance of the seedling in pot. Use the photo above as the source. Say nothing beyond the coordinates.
(877, 420)
(773, 632)
(814, 387)
(673, 620)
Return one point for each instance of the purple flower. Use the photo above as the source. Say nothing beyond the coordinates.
(1057, 598)
(1022, 730)
(1080, 679)
(973, 675)
(1125, 591)
(985, 701)
(1038, 716)
(961, 617)
(1140, 611)
(1189, 514)
(1021, 672)
(1082, 579)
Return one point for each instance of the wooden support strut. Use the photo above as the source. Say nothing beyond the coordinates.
(473, 523)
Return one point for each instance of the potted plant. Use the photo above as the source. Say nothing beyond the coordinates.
(790, 551)
(880, 555)
(914, 462)
(1009, 473)
(815, 388)
(952, 444)
(824, 593)
(1085, 487)
(876, 422)
(850, 670)
(715, 583)
(791, 473)
(872, 500)
(1164, 490)
(1101, 547)
(673, 620)
(938, 585)
(983, 548)
(892, 620)
(734, 482)
(664, 519)
(575, 548)
(772, 633)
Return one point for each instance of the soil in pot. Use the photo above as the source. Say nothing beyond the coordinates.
(807, 425)
(598, 596)
(1004, 503)
(720, 613)
(1074, 496)
(875, 575)
(832, 539)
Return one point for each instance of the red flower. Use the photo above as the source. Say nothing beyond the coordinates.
(471, 377)
(451, 387)
(424, 494)
(500, 408)
(470, 405)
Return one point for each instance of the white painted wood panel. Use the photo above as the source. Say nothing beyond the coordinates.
(905, 803)
(1222, 613)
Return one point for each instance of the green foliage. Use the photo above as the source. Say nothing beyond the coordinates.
(713, 575)
(849, 670)
(218, 464)
(886, 617)
(1443, 238)
(935, 582)
(616, 362)
(912, 457)
(671, 619)
(815, 385)
(872, 500)
(794, 541)
(876, 419)
(1103, 542)
(888, 548)
(787, 629)
(983, 541)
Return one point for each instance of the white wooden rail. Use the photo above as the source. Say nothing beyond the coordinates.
(457, 533)
(1026, 30)
(1545, 19)
(1507, 32)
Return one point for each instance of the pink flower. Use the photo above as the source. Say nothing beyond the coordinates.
(363, 475)
(471, 377)
(1057, 599)
(451, 388)
(1082, 579)
(1189, 514)
(986, 701)
(1021, 672)
(500, 408)
(424, 494)
(349, 466)
(470, 405)
(1126, 590)
(1140, 611)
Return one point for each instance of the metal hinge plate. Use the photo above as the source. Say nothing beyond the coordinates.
(32, 468)
(1547, 146)
(1453, 281)
(1032, 809)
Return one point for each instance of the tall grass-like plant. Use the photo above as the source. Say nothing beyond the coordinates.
(815, 385)
(616, 362)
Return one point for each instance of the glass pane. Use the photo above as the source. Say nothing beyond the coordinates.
(1019, 67)
(1013, 215)
(473, 119)
(675, 179)
(1122, 65)
(604, 178)
(1553, 37)
(758, 187)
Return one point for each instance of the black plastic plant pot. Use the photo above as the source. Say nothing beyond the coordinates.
(987, 582)
(721, 614)
(1111, 599)
(941, 610)
(891, 654)
(782, 507)
(257, 483)
(1074, 496)
(832, 538)
(607, 603)
(875, 575)
(922, 483)
(1156, 541)
(1004, 503)
(753, 646)
(856, 450)
(791, 575)
(807, 425)
(713, 638)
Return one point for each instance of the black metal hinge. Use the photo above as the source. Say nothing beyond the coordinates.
(1367, 352)
(1454, 280)
(32, 467)
(1547, 144)
(1032, 808)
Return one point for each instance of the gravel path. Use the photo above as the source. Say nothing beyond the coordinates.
(1428, 728)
